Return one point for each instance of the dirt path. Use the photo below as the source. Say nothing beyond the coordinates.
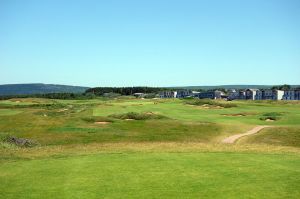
(233, 138)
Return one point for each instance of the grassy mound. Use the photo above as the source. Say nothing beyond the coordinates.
(137, 116)
(203, 102)
(281, 136)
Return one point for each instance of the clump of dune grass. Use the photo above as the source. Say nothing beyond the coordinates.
(94, 119)
(137, 116)
(271, 116)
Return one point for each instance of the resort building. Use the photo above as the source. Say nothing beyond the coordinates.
(251, 93)
(184, 93)
(267, 94)
(211, 95)
(168, 94)
(233, 94)
(278, 94)
(289, 95)
(297, 94)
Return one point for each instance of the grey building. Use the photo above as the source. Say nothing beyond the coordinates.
(297, 94)
(267, 94)
(167, 94)
(211, 95)
(278, 94)
(251, 93)
(233, 94)
(183, 93)
(289, 95)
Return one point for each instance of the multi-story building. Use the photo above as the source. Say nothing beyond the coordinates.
(183, 93)
(251, 93)
(168, 94)
(278, 94)
(297, 94)
(211, 95)
(267, 94)
(233, 94)
(259, 95)
(242, 94)
(289, 95)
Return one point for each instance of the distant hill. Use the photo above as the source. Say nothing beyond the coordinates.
(23, 89)
(229, 87)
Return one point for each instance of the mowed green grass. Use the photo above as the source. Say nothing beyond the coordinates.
(153, 175)
(177, 156)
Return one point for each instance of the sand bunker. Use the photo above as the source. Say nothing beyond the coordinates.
(208, 106)
(269, 120)
(102, 122)
(149, 113)
(62, 110)
(238, 114)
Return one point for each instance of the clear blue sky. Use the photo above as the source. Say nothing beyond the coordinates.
(150, 42)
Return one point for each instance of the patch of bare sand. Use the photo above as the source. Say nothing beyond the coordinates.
(233, 138)
(269, 120)
(102, 122)
(62, 110)
(239, 114)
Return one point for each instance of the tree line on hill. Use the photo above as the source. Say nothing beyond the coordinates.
(282, 87)
(112, 92)
(92, 93)
(99, 91)
(51, 96)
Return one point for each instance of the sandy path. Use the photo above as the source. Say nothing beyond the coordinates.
(233, 138)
